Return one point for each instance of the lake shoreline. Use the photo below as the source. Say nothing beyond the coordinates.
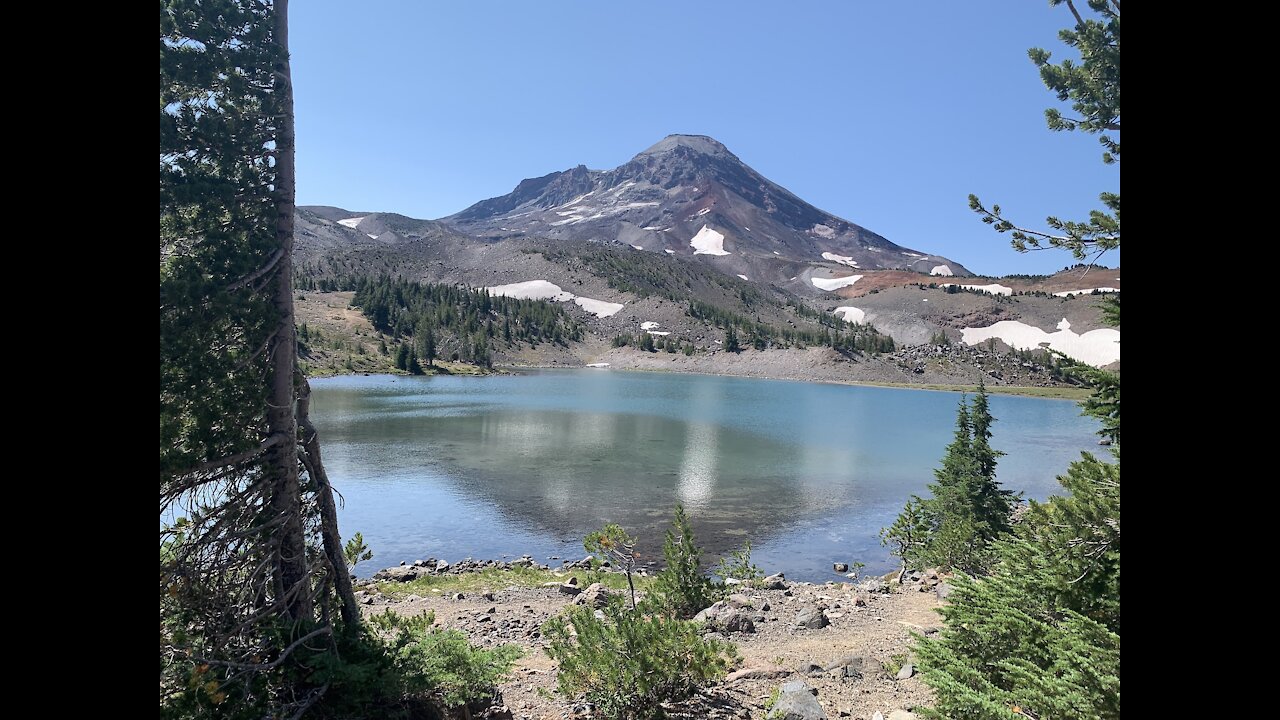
(1073, 394)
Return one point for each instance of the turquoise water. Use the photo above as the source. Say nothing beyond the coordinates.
(507, 465)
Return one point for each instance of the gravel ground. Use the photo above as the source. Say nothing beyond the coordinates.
(875, 631)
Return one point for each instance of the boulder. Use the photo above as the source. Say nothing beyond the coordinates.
(943, 591)
(907, 671)
(796, 701)
(811, 617)
(774, 582)
(723, 616)
(403, 573)
(737, 621)
(854, 661)
(840, 567)
(874, 585)
(568, 588)
(596, 596)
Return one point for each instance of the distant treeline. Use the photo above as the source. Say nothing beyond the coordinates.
(458, 322)
(833, 332)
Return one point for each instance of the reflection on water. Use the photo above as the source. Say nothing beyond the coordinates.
(698, 469)
(483, 467)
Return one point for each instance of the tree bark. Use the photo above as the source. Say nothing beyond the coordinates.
(328, 509)
(292, 581)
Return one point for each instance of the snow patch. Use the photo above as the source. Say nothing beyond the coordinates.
(850, 314)
(599, 308)
(531, 290)
(598, 365)
(543, 290)
(638, 247)
(655, 228)
(941, 270)
(669, 252)
(1096, 347)
(994, 289)
(649, 325)
(842, 259)
(833, 284)
(1090, 291)
(825, 231)
(700, 213)
(658, 332)
(708, 242)
(375, 237)
(744, 277)
(351, 222)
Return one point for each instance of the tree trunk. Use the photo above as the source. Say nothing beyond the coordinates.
(291, 572)
(328, 510)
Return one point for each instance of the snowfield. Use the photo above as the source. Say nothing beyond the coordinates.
(843, 260)
(351, 222)
(708, 242)
(543, 290)
(850, 314)
(1096, 347)
(941, 270)
(833, 284)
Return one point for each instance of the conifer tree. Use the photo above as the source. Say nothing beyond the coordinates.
(731, 339)
(967, 509)
(254, 588)
(682, 589)
(429, 345)
(1040, 636)
(908, 536)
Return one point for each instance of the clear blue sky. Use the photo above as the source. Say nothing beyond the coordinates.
(885, 113)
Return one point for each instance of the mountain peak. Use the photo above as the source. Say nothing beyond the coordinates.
(687, 187)
(698, 143)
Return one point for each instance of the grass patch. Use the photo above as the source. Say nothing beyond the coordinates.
(494, 579)
(894, 664)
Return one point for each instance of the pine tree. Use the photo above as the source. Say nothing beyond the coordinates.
(1040, 636)
(908, 535)
(254, 589)
(429, 346)
(402, 357)
(993, 505)
(967, 509)
(731, 339)
(681, 589)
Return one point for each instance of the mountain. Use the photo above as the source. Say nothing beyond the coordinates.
(688, 195)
